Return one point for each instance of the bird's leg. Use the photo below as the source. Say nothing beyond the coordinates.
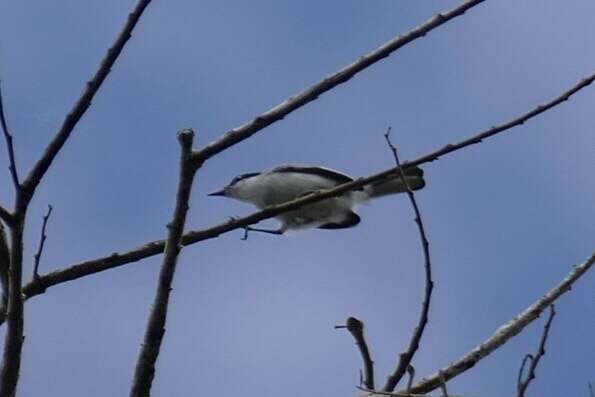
(247, 229)
(254, 229)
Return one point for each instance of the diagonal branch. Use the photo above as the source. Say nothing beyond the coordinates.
(42, 239)
(277, 113)
(145, 365)
(356, 329)
(505, 332)
(522, 385)
(378, 393)
(83, 103)
(406, 357)
(9, 146)
(156, 247)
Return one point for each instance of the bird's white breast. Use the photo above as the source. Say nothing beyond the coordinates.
(273, 188)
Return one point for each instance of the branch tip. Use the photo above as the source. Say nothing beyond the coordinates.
(9, 145)
(186, 137)
(42, 238)
(356, 329)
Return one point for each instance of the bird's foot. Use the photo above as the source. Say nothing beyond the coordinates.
(248, 229)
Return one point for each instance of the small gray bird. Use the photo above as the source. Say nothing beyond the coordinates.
(288, 182)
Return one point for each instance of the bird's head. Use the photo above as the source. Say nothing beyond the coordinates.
(237, 187)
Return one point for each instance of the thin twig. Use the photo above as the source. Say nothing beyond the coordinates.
(505, 332)
(406, 357)
(411, 372)
(277, 113)
(356, 329)
(528, 358)
(84, 102)
(42, 238)
(9, 145)
(145, 365)
(443, 384)
(93, 266)
(522, 385)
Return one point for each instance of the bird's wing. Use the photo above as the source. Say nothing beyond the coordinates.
(324, 172)
(351, 219)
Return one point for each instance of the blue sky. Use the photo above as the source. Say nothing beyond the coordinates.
(506, 219)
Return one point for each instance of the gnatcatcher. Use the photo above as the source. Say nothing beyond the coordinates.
(287, 182)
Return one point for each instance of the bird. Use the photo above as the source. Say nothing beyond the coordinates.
(290, 181)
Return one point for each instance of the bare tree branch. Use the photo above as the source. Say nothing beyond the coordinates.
(356, 329)
(42, 239)
(145, 365)
(277, 113)
(13, 340)
(9, 145)
(591, 392)
(378, 393)
(83, 103)
(505, 332)
(522, 385)
(89, 267)
(406, 357)
(4, 266)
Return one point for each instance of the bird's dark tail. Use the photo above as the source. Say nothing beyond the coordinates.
(393, 185)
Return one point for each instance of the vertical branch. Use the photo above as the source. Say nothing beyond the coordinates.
(522, 385)
(4, 265)
(9, 146)
(42, 239)
(13, 340)
(145, 365)
(406, 357)
(356, 329)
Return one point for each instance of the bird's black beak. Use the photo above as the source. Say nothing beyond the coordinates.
(218, 193)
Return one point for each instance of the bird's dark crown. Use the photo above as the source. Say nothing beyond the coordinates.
(241, 177)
